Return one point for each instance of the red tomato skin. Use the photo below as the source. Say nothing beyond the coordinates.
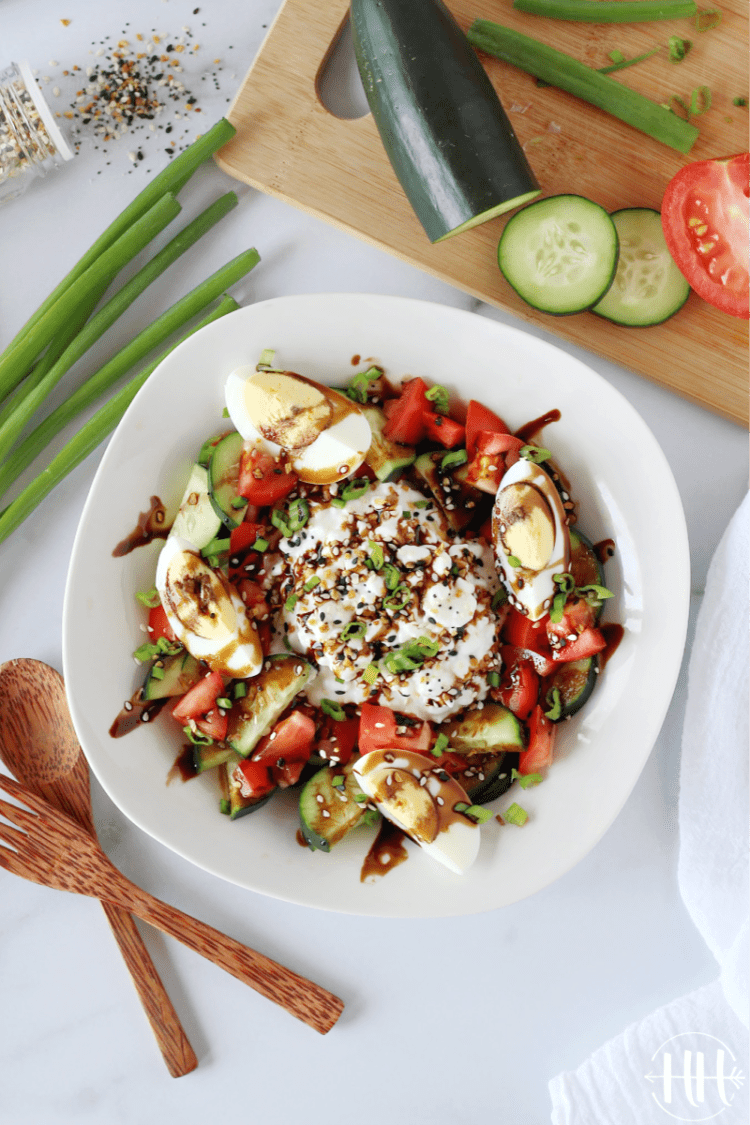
(274, 483)
(538, 756)
(704, 216)
(339, 741)
(478, 418)
(199, 699)
(214, 724)
(290, 740)
(254, 778)
(589, 642)
(522, 633)
(406, 418)
(440, 428)
(158, 625)
(577, 616)
(519, 686)
(377, 731)
(243, 536)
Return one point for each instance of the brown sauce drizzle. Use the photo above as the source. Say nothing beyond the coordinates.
(387, 852)
(184, 766)
(135, 712)
(151, 525)
(613, 634)
(531, 429)
(356, 360)
(604, 550)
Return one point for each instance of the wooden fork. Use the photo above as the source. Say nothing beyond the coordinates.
(50, 848)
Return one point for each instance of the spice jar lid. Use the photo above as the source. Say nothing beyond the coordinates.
(45, 113)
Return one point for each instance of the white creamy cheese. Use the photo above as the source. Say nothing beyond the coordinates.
(361, 581)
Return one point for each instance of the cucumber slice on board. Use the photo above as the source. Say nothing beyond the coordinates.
(560, 254)
(223, 475)
(443, 127)
(648, 287)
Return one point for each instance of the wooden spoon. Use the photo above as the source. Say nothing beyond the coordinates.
(39, 746)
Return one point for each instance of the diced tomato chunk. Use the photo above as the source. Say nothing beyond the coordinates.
(338, 741)
(200, 699)
(478, 418)
(254, 778)
(243, 536)
(254, 597)
(158, 625)
(519, 686)
(538, 755)
(377, 731)
(291, 740)
(262, 479)
(589, 642)
(214, 724)
(518, 630)
(440, 428)
(406, 419)
(287, 774)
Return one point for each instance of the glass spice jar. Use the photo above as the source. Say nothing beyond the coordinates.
(31, 141)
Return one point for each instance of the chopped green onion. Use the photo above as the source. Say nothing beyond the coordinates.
(224, 806)
(557, 609)
(594, 594)
(700, 101)
(157, 672)
(739, 101)
(439, 396)
(499, 598)
(355, 629)
(371, 674)
(620, 11)
(391, 601)
(360, 798)
(553, 699)
(287, 645)
(299, 513)
(478, 813)
(376, 558)
(278, 520)
(311, 583)
(534, 452)
(514, 814)
(397, 662)
(678, 48)
(333, 709)
(197, 738)
(455, 458)
(338, 781)
(239, 691)
(338, 502)
(423, 503)
(406, 515)
(619, 62)
(260, 544)
(266, 358)
(162, 647)
(564, 582)
(223, 702)
(216, 547)
(358, 487)
(513, 561)
(239, 502)
(391, 576)
(526, 780)
(582, 81)
(370, 816)
(290, 602)
(358, 385)
(706, 19)
(441, 745)
(149, 598)
(493, 679)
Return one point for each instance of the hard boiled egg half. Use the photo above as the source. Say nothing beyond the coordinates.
(420, 798)
(531, 537)
(323, 433)
(206, 614)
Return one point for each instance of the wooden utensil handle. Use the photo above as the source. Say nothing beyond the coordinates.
(301, 997)
(179, 1056)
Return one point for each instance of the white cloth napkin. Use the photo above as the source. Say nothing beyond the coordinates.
(688, 1061)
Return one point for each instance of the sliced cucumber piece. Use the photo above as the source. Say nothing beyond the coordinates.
(196, 520)
(223, 475)
(172, 675)
(328, 807)
(584, 563)
(492, 728)
(648, 287)
(560, 254)
(386, 458)
(574, 680)
(487, 776)
(268, 696)
(457, 499)
(211, 756)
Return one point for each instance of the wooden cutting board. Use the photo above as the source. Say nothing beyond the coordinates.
(290, 146)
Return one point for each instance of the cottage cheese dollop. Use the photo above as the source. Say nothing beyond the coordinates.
(364, 579)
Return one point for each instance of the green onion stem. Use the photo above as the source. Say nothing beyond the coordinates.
(151, 337)
(608, 11)
(91, 434)
(16, 360)
(567, 73)
(171, 179)
(622, 64)
(108, 314)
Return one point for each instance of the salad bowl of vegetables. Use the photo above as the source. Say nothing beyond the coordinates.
(386, 583)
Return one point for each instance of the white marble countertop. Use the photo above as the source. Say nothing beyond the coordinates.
(445, 1021)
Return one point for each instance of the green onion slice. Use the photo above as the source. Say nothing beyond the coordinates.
(514, 814)
(371, 674)
(553, 699)
(439, 397)
(441, 745)
(354, 629)
(534, 453)
(291, 602)
(455, 458)
(358, 385)
(356, 488)
(376, 558)
(299, 513)
(391, 576)
(311, 583)
(333, 709)
(149, 598)
(398, 598)
(526, 780)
